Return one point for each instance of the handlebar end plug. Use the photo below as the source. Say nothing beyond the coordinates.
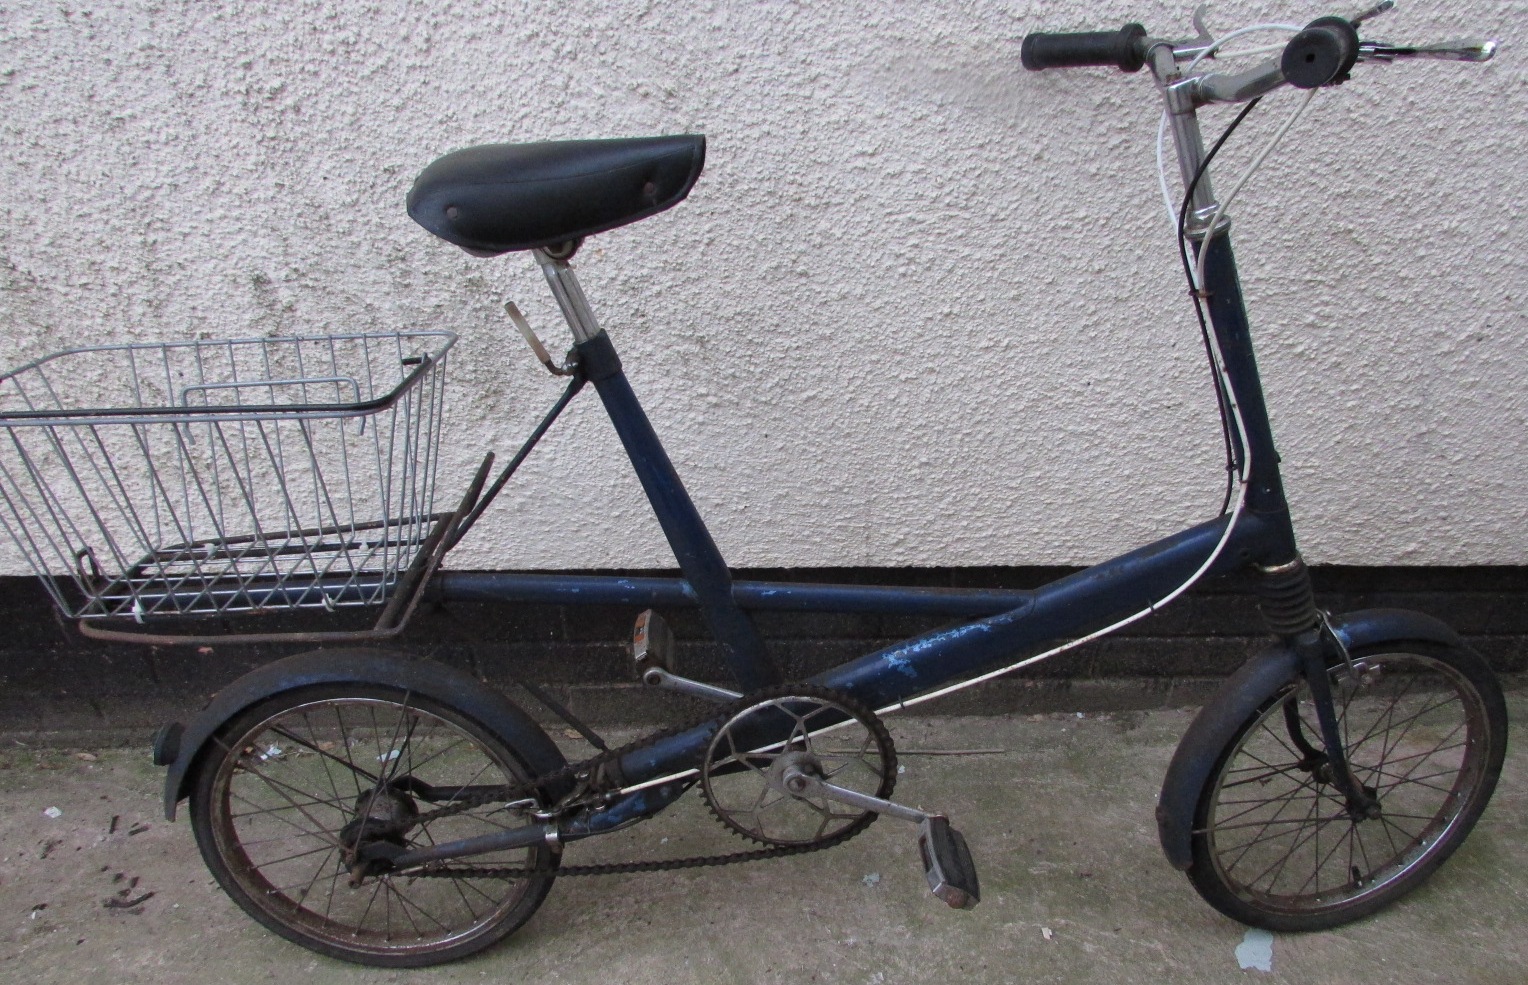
(1322, 54)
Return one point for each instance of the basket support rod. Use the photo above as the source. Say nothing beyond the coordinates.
(574, 386)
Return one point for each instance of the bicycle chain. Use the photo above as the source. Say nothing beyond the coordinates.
(587, 769)
(623, 868)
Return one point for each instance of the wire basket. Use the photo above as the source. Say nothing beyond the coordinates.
(204, 477)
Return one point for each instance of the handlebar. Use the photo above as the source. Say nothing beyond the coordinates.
(1124, 49)
(1320, 55)
(1323, 53)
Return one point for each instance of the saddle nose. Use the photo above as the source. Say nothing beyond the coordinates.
(497, 198)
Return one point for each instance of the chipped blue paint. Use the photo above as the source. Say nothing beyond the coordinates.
(899, 658)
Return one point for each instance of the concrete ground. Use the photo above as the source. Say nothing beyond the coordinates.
(1075, 888)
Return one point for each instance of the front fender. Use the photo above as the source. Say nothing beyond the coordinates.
(1244, 693)
(444, 684)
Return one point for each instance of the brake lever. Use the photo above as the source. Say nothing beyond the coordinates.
(1384, 6)
(1205, 38)
(1188, 49)
(1470, 50)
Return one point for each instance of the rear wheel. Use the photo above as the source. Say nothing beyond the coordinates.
(1274, 844)
(291, 787)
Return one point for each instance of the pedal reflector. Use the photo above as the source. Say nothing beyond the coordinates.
(652, 644)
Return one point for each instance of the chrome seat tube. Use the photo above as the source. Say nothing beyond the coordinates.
(570, 296)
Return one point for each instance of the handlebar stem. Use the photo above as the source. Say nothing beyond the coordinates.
(1179, 95)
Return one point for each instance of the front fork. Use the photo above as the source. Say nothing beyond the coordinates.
(1314, 663)
(1289, 607)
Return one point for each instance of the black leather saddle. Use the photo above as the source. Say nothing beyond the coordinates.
(501, 197)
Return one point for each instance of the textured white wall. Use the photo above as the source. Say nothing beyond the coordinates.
(921, 309)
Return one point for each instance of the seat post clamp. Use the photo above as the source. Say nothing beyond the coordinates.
(569, 365)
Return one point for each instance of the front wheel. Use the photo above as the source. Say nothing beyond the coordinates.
(292, 787)
(1274, 844)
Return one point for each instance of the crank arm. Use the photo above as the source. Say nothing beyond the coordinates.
(803, 784)
(430, 793)
(653, 657)
(947, 864)
(659, 678)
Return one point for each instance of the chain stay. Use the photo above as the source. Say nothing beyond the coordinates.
(586, 771)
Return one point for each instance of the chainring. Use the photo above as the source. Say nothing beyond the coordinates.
(827, 734)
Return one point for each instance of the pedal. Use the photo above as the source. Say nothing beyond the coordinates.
(652, 644)
(947, 863)
(652, 657)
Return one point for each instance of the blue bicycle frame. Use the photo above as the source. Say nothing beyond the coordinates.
(1007, 628)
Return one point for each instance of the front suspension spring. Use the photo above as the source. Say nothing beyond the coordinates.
(1288, 601)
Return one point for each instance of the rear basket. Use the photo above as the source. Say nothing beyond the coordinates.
(206, 477)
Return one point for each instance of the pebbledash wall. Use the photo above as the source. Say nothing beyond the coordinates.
(921, 316)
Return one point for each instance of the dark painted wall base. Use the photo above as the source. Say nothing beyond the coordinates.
(55, 682)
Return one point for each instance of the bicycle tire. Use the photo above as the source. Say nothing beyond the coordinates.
(280, 781)
(1272, 843)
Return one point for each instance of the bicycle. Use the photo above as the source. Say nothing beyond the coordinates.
(397, 812)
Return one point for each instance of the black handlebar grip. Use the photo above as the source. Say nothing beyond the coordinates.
(1122, 49)
(1320, 55)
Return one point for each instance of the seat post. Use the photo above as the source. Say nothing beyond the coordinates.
(570, 297)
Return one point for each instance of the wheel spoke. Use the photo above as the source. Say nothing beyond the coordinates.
(1276, 838)
(338, 805)
(275, 787)
(324, 864)
(314, 747)
(1283, 799)
(1430, 752)
(1276, 868)
(1390, 745)
(1380, 719)
(1422, 757)
(1313, 882)
(270, 809)
(1287, 820)
(318, 745)
(297, 855)
(404, 904)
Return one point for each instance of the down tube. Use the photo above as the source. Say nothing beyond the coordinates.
(1068, 608)
(1071, 607)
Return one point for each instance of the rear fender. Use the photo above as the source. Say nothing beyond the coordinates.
(1248, 690)
(186, 747)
